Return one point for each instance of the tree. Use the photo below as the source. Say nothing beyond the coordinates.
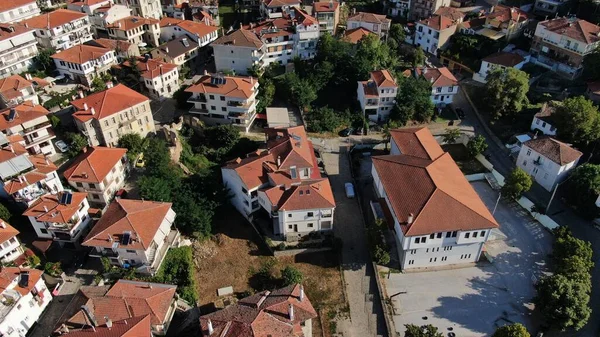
(155, 188)
(76, 143)
(397, 33)
(4, 213)
(181, 98)
(413, 101)
(563, 301)
(134, 144)
(591, 63)
(577, 120)
(582, 189)
(421, 331)
(476, 145)
(372, 54)
(512, 330)
(324, 119)
(299, 90)
(451, 135)
(98, 84)
(265, 94)
(291, 275)
(387, 132)
(221, 137)
(44, 58)
(184, 72)
(157, 158)
(571, 255)
(517, 183)
(506, 92)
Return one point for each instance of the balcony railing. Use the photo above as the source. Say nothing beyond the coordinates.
(201, 99)
(36, 127)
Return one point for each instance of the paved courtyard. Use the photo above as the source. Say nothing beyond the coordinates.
(473, 301)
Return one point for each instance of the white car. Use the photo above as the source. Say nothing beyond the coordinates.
(349, 190)
(61, 146)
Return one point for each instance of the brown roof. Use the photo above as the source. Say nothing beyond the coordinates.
(132, 22)
(240, 38)
(439, 77)
(262, 314)
(504, 59)
(369, 17)
(369, 89)
(451, 13)
(53, 19)
(107, 102)
(166, 21)
(506, 14)
(473, 23)
(577, 29)
(13, 4)
(26, 112)
(81, 53)
(131, 327)
(140, 217)
(416, 142)
(196, 27)
(439, 22)
(554, 150)
(8, 31)
(49, 209)
(281, 3)
(325, 6)
(93, 165)
(110, 44)
(176, 47)
(9, 274)
(234, 86)
(547, 111)
(383, 78)
(10, 87)
(356, 34)
(7, 231)
(152, 68)
(311, 194)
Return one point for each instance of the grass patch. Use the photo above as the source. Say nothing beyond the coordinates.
(467, 165)
(178, 268)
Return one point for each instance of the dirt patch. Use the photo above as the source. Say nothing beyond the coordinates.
(467, 165)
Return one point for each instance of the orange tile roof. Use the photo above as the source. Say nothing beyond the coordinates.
(42, 166)
(130, 327)
(439, 77)
(369, 89)
(10, 87)
(301, 17)
(204, 17)
(81, 53)
(152, 68)
(356, 34)
(450, 12)
(110, 44)
(197, 28)
(13, 4)
(266, 313)
(87, 2)
(107, 102)
(132, 22)
(140, 217)
(311, 194)
(26, 112)
(166, 21)
(93, 165)
(383, 78)
(435, 192)
(7, 231)
(281, 3)
(49, 209)
(416, 142)
(235, 86)
(13, 149)
(577, 29)
(439, 22)
(325, 6)
(504, 59)
(8, 31)
(554, 150)
(369, 17)
(9, 274)
(240, 38)
(505, 14)
(53, 19)
(39, 82)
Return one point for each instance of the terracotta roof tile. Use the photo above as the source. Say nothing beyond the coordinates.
(166, 21)
(369, 17)
(325, 6)
(439, 77)
(577, 29)
(439, 22)
(26, 112)
(281, 3)
(240, 38)
(417, 142)
(81, 53)
(505, 14)
(10, 87)
(94, 165)
(451, 13)
(132, 22)
(110, 44)
(14, 4)
(547, 111)
(9, 274)
(107, 102)
(7, 231)
(234, 86)
(8, 31)
(554, 150)
(53, 19)
(152, 68)
(131, 327)
(383, 78)
(356, 34)
(42, 166)
(49, 209)
(196, 28)
(504, 59)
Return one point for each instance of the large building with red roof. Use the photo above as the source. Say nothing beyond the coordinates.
(60, 29)
(284, 182)
(12, 11)
(19, 40)
(377, 95)
(436, 214)
(15, 90)
(83, 63)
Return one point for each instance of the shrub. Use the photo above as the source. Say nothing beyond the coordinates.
(291, 275)
(106, 265)
(53, 268)
(33, 261)
(178, 268)
(381, 255)
(517, 183)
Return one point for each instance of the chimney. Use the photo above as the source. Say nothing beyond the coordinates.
(330, 4)
(26, 25)
(166, 49)
(85, 175)
(109, 84)
(108, 322)
(2, 224)
(492, 9)
(11, 148)
(353, 11)
(45, 208)
(85, 106)
(411, 218)
(205, 72)
(210, 327)
(84, 149)
(47, 161)
(301, 293)
(28, 76)
(93, 111)
(278, 161)
(81, 95)
(291, 312)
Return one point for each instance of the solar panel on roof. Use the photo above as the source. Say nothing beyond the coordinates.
(69, 199)
(12, 114)
(24, 279)
(185, 42)
(63, 199)
(126, 238)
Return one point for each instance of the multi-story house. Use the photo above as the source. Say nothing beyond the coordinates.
(18, 47)
(397, 8)
(377, 96)
(328, 15)
(105, 116)
(284, 180)
(82, 63)
(136, 233)
(355, 35)
(198, 32)
(294, 315)
(160, 78)
(500, 60)
(100, 172)
(375, 23)
(30, 121)
(127, 302)
(136, 30)
(105, 16)
(438, 218)
(444, 86)
(561, 44)
(272, 9)
(547, 160)
(238, 51)
(60, 29)
(10, 247)
(62, 217)
(145, 8)
(544, 120)
(18, 10)
(222, 99)
(15, 90)
(433, 34)
(504, 22)
(179, 51)
(88, 7)
(548, 8)
(421, 9)
(23, 298)
(123, 49)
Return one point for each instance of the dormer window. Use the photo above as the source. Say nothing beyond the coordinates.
(293, 172)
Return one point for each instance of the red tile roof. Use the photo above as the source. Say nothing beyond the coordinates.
(356, 34)
(439, 22)
(281, 3)
(166, 21)
(325, 6)
(42, 165)
(416, 142)
(240, 38)
(9, 274)
(131, 327)
(81, 53)
(7, 231)
(53, 19)
(383, 78)
(439, 77)
(49, 209)
(262, 314)
(432, 189)
(309, 194)
(10, 87)
(14, 4)
(547, 111)
(369, 17)
(450, 12)
(110, 44)
(107, 102)
(577, 29)
(13, 148)
(26, 112)
(93, 165)
(141, 218)
(554, 150)
(152, 68)
(234, 86)
(505, 14)
(8, 31)
(504, 59)
(197, 28)
(132, 22)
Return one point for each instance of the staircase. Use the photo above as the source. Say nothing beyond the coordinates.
(152, 254)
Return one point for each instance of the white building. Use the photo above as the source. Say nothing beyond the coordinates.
(221, 99)
(10, 247)
(105, 16)
(136, 233)
(145, 8)
(433, 34)
(444, 86)
(18, 10)
(24, 297)
(238, 51)
(547, 160)
(62, 217)
(60, 29)
(136, 30)
(100, 172)
(18, 47)
(88, 7)
(123, 49)
(543, 121)
(82, 63)
(199, 32)
(30, 121)
(179, 51)
(284, 181)
(438, 218)
(500, 60)
(397, 8)
(161, 79)
(377, 96)
(375, 23)
(273, 9)
(327, 14)
(15, 90)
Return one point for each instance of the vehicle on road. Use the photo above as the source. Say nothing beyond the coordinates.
(346, 132)
(139, 162)
(349, 190)
(61, 146)
(460, 112)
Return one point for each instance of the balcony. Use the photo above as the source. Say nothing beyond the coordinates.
(31, 141)
(106, 252)
(198, 111)
(372, 102)
(199, 98)
(237, 106)
(562, 46)
(36, 127)
(30, 193)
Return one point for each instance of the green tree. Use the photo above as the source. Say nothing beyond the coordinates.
(98, 84)
(324, 119)
(265, 94)
(134, 144)
(221, 137)
(512, 330)
(506, 92)
(413, 101)
(381, 255)
(155, 188)
(371, 54)
(387, 132)
(591, 63)
(517, 183)
(181, 98)
(476, 145)
(4, 213)
(33, 261)
(421, 331)
(106, 264)
(571, 255)
(55, 121)
(397, 34)
(582, 189)
(291, 275)
(563, 301)
(76, 143)
(194, 213)
(577, 120)
(157, 158)
(44, 58)
(178, 268)
(184, 72)
(451, 135)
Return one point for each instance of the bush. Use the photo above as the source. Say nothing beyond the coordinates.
(512, 330)
(106, 265)
(4, 213)
(53, 269)
(291, 275)
(33, 261)
(517, 183)
(178, 268)
(476, 145)
(381, 255)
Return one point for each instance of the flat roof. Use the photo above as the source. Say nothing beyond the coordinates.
(278, 117)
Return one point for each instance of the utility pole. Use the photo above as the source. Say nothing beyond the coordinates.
(497, 201)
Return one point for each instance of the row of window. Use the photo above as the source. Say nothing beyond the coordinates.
(453, 234)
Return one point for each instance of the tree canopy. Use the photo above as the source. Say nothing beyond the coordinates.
(476, 145)
(44, 58)
(291, 275)
(422, 331)
(591, 63)
(451, 135)
(413, 101)
(517, 183)
(76, 143)
(512, 330)
(134, 144)
(577, 120)
(583, 188)
(4, 213)
(506, 92)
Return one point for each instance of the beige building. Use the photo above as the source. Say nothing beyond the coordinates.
(83, 63)
(144, 8)
(105, 116)
(60, 29)
(136, 30)
(123, 49)
(328, 15)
